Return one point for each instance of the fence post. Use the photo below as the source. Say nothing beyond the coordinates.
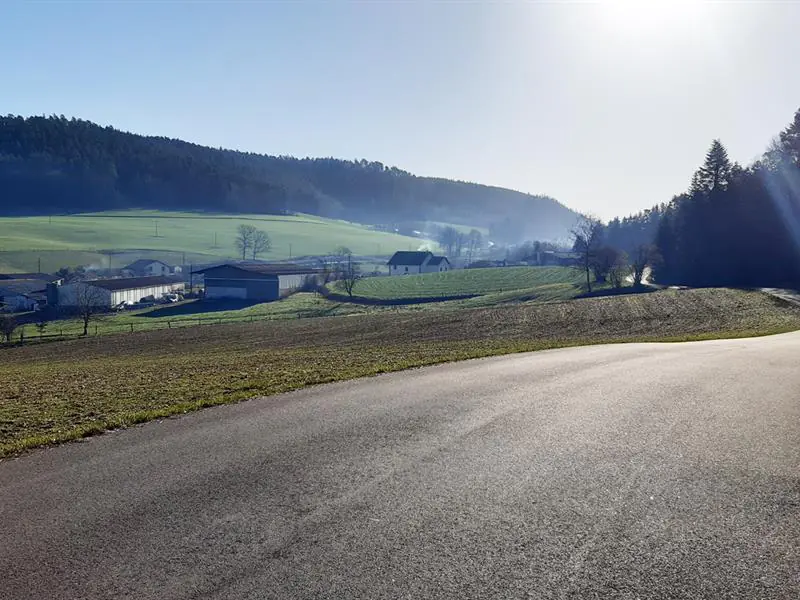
(169, 324)
(95, 329)
(131, 327)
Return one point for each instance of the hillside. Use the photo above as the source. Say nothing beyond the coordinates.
(55, 165)
(114, 239)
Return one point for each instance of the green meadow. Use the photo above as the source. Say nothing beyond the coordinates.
(113, 239)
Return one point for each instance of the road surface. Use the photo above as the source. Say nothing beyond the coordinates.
(550, 475)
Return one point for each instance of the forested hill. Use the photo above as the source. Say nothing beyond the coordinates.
(60, 165)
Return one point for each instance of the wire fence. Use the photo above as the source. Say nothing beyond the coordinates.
(53, 332)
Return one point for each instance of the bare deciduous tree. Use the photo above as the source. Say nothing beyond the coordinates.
(260, 243)
(587, 237)
(346, 270)
(8, 324)
(604, 261)
(474, 242)
(448, 239)
(244, 239)
(90, 301)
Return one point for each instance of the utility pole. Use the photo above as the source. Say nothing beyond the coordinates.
(156, 223)
(39, 265)
(290, 252)
(215, 239)
(183, 260)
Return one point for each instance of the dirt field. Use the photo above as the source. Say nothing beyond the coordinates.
(66, 390)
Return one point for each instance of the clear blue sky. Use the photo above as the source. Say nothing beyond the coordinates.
(608, 106)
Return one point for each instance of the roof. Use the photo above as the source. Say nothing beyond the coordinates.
(412, 259)
(437, 260)
(39, 276)
(264, 268)
(142, 263)
(21, 287)
(132, 283)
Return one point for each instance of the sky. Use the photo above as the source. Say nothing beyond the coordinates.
(606, 106)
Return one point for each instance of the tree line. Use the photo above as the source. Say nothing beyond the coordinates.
(58, 165)
(733, 226)
(456, 244)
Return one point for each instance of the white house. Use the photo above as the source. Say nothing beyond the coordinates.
(150, 268)
(407, 263)
(113, 292)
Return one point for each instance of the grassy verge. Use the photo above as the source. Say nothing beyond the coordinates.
(56, 392)
(197, 312)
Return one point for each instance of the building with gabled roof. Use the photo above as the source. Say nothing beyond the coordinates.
(145, 267)
(405, 262)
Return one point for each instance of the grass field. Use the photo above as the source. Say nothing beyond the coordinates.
(557, 282)
(66, 390)
(115, 239)
(198, 312)
(543, 284)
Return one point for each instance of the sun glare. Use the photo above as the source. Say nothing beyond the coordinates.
(648, 17)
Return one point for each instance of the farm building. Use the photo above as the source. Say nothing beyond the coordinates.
(406, 263)
(19, 295)
(113, 292)
(262, 282)
(150, 268)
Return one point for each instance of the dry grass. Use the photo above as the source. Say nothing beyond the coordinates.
(60, 391)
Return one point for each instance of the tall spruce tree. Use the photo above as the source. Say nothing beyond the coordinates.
(715, 174)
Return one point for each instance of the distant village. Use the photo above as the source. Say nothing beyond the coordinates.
(146, 282)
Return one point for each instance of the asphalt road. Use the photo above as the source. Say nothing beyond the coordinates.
(630, 471)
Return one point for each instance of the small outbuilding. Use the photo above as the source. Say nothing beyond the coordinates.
(409, 262)
(260, 282)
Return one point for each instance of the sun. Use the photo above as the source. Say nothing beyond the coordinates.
(650, 17)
